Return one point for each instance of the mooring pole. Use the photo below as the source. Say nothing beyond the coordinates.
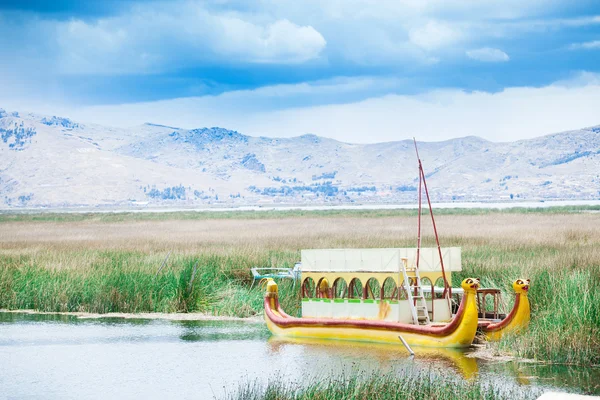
(412, 353)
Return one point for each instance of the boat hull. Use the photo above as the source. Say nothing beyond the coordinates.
(460, 332)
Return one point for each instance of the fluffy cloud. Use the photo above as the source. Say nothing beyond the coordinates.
(487, 54)
(160, 37)
(434, 35)
(134, 50)
(150, 41)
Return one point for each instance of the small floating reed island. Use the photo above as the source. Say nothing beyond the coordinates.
(102, 263)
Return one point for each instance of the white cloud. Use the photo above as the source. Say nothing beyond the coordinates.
(349, 36)
(594, 44)
(286, 42)
(434, 35)
(155, 37)
(409, 9)
(487, 54)
(339, 85)
(512, 114)
(169, 36)
(153, 40)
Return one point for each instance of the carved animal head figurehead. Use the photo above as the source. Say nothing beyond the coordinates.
(271, 287)
(521, 286)
(470, 285)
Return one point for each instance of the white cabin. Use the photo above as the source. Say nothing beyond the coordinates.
(369, 283)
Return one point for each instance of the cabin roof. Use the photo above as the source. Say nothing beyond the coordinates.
(379, 260)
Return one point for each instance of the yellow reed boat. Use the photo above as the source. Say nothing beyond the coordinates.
(397, 295)
(516, 320)
(357, 307)
(459, 332)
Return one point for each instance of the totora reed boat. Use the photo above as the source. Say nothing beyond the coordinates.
(459, 332)
(516, 320)
(396, 295)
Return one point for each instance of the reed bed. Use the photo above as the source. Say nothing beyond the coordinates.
(386, 386)
(96, 263)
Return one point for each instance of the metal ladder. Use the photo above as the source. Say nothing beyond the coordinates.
(419, 311)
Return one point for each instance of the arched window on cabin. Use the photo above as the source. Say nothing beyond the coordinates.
(323, 290)
(389, 290)
(355, 289)
(427, 288)
(372, 289)
(339, 288)
(439, 283)
(308, 288)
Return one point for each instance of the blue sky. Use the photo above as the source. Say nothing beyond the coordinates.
(354, 70)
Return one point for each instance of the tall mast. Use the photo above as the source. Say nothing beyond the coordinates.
(420, 207)
(422, 180)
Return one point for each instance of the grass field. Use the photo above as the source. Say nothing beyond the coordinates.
(109, 262)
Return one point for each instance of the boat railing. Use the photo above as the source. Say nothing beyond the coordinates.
(440, 290)
(260, 273)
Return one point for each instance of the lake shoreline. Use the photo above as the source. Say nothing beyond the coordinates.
(478, 350)
(194, 316)
(283, 207)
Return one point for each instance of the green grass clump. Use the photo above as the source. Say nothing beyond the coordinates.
(125, 282)
(384, 386)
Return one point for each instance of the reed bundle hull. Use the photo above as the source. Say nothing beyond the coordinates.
(460, 332)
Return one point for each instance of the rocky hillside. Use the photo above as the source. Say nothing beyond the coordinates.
(55, 162)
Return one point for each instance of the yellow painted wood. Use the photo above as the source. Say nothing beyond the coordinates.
(462, 336)
(365, 276)
(522, 316)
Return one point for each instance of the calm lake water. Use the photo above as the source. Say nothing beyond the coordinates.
(51, 356)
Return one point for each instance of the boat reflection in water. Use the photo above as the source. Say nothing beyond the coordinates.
(382, 356)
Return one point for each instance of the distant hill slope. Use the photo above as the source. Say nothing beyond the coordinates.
(55, 162)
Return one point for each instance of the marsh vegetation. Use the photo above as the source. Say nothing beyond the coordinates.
(110, 263)
(381, 386)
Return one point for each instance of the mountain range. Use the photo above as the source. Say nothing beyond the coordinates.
(53, 162)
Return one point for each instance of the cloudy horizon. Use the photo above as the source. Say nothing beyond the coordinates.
(355, 71)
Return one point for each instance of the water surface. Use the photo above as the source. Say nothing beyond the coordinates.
(53, 356)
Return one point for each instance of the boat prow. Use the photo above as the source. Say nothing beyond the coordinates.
(459, 332)
(516, 320)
